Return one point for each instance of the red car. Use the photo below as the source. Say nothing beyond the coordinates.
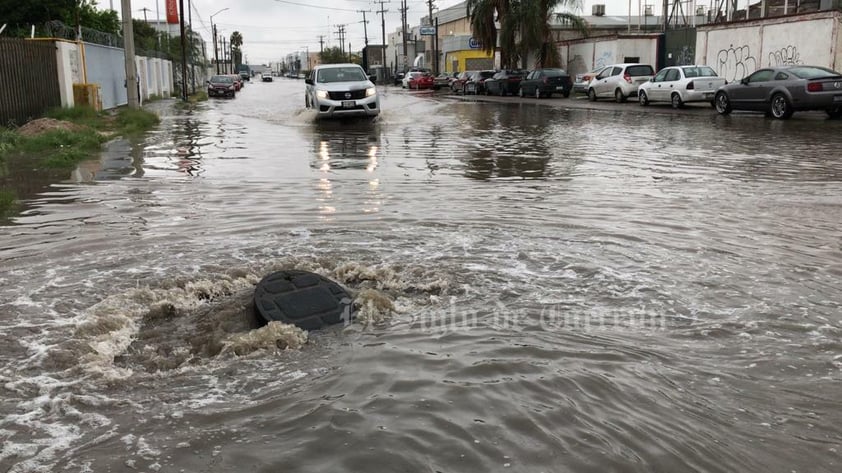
(423, 81)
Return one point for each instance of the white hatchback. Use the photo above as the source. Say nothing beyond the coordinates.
(619, 81)
(341, 90)
(681, 84)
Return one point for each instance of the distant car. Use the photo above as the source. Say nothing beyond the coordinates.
(619, 81)
(504, 83)
(341, 90)
(238, 82)
(458, 84)
(581, 81)
(221, 86)
(442, 80)
(781, 91)
(679, 85)
(399, 78)
(266, 77)
(546, 82)
(423, 81)
(409, 76)
(476, 82)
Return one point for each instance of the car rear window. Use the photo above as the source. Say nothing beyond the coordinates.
(222, 79)
(636, 71)
(486, 74)
(812, 72)
(699, 71)
(555, 72)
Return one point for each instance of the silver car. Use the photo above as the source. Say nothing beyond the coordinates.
(679, 85)
(781, 91)
(341, 90)
(619, 81)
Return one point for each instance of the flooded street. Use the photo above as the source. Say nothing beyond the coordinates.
(557, 289)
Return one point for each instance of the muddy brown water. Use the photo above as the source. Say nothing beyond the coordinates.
(549, 289)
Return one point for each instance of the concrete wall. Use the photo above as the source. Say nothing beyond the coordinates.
(736, 50)
(69, 70)
(589, 54)
(105, 66)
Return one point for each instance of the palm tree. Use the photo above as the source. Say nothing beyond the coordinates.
(236, 42)
(524, 28)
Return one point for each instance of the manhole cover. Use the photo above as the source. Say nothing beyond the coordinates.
(305, 299)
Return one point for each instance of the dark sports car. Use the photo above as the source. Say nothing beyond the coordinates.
(781, 91)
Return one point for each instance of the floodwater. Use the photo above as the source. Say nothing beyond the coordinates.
(544, 289)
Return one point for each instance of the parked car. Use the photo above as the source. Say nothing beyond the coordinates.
(619, 81)
(423, 81)
(399, 78)
(546, 82)
(476, 82)
(458, 84)
(221, 86)
(341, 90)
(238, 82)
(408, 77)
(504, 83)
(442, 80)
(781, 91)
(679, 85)
(582, 80)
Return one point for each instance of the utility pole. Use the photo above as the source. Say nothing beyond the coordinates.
(192, 59)
(215, 49)
(224, 58)
(183, 51)
(128, 39)
(341, 32)
(321, 43)
(435, 38)
(365, 36)
(383, 29)
(403, 33)
(144, 10)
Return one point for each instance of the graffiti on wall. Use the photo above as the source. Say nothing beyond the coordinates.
(684, 57)
(787, 56)
(605, 59)
(734, 63)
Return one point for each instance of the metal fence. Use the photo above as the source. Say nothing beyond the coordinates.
(29, 75)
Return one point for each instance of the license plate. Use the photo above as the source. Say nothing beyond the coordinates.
(837, 98)
(559, 88)
(348, 104)
(708, 95)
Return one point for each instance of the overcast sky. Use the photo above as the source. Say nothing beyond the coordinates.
(272, 29)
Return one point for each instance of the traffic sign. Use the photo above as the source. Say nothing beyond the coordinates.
(428, 30)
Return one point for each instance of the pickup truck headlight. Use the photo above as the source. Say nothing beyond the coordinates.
(322, 94)
(370, 91)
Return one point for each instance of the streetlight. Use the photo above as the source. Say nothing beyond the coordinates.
(213, 28)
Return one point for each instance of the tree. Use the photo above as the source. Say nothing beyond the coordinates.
(524, 28)
(333, 55)
(236, 51)
(20, 15)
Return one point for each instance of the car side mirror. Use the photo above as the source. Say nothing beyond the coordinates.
(308, 81)
(652, 80)
(372, 78)
(744, 81)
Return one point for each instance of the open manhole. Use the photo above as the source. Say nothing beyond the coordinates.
(302, 298)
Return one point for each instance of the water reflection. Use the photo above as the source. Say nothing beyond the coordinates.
(516, 141)
(346, 145)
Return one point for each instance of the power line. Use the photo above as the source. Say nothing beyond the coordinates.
(314, 6)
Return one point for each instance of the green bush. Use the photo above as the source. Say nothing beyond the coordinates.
(7, 201)
(133, 121)
(87, 140)
(81, 115)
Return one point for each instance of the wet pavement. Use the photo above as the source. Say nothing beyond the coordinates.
(559, 287)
